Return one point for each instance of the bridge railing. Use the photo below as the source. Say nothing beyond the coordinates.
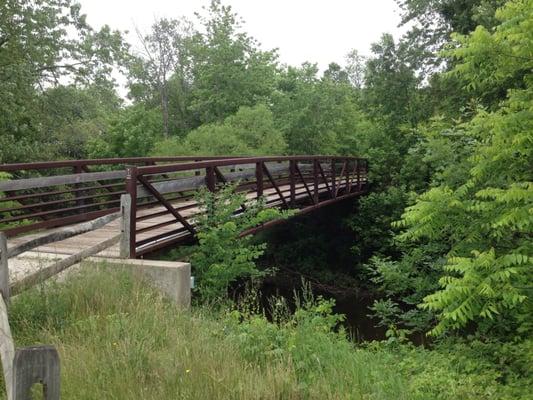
(49, 194)
(44, 195)
(163, 205)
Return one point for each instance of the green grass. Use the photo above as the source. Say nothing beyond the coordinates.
(118, 339)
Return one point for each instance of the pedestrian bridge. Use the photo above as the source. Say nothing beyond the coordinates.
(45, 196)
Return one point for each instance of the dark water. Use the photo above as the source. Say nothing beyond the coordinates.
(354, 306)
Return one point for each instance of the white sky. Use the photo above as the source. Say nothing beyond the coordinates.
(318, 31)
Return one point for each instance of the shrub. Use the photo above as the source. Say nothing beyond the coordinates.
(222, 255)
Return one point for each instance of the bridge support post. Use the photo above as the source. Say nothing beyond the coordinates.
(131, 190)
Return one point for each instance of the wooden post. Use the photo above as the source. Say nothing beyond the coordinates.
(131, 189)
(315, 180)
(259, 178)
(125, 210)
(292, 177)
(36, 364)
(4, 269)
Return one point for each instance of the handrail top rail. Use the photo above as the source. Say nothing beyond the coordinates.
(190, 160)
(221, 162)
(102, 161)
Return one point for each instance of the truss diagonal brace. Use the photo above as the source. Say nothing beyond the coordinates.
(166, 203)
(305, 183)
(271, 179)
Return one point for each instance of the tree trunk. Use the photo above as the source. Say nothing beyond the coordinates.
(164, 108)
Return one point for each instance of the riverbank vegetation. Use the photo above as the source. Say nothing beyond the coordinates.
(119, 339)
(442, 243)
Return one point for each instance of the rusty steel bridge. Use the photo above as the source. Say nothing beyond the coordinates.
(43, 196)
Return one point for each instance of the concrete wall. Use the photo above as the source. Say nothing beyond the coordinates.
(173, 279)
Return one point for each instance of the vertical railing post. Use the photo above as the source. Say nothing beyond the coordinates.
(366, 172)
(333, 179)
(358, 172)
(259, 178)
(77, 169)
(347, 175)
(125, 222)
(210, 179)
(292, 179)
(315, 180)
(131, 189)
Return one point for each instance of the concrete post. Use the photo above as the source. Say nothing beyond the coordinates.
(36, 364)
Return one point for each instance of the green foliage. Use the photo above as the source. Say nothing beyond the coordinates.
(433, 21)
(318, 116)
(486, 221)
(490, 63)
(42, 44)
(390, 85)
(403, 284)
(132, 133)
(72, 116)
(228, 68)
(445, 148)
(371, 223)
(222, 256)
(250, 131)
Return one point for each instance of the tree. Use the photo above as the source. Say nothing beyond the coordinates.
(162, 69)
(228, 69)
(72, 115)
(43, 44)
(434, 21)
(355, 68)
(250, 131)
(132, 133)
(391, 84)
(486, 219)
(318, 116)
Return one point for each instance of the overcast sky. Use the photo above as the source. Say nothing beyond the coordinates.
(318, 31)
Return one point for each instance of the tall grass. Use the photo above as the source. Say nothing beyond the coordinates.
(119, 339)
